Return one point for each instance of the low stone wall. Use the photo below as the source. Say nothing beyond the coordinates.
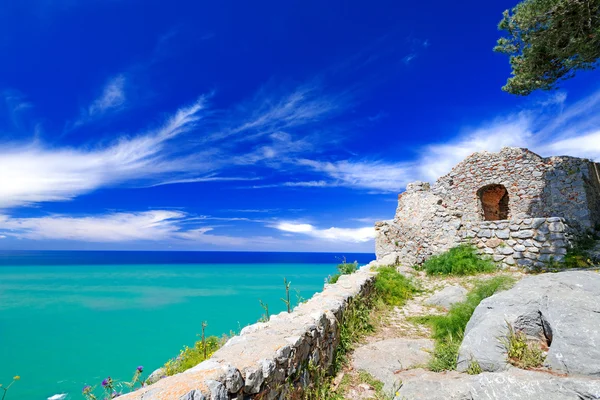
(267, 359)
(527, 243)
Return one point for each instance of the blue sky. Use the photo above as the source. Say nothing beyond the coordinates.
(269, 125)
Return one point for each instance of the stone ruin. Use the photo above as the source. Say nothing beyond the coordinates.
(515, 206)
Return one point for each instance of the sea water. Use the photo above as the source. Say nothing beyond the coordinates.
(69, 319)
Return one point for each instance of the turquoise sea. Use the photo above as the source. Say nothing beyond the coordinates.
(68, 319)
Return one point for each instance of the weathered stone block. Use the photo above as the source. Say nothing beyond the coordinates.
(526, 234)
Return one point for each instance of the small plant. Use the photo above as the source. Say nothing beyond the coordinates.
(109, 388)
(88, 392)
(299, 298)
(191, 356)
(5, 388)
(265, 317)
(520, 352)
(444, 355)
(343, 269)
(393, 288)
(286, 301)
(460, 260)
(203, 339)
(474, 368)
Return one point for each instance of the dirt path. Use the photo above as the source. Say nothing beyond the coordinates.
(398, 343)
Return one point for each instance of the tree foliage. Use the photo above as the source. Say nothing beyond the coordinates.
(548, 41)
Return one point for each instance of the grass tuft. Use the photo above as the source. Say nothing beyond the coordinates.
(343, 269)
(460, 260)
(474, 368)
(393, 288)
(520, 352)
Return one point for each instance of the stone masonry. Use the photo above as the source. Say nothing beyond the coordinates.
(267, 360)
(517, 207)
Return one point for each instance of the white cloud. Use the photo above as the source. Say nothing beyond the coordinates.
(367, 174)
(112, 97)
(36, 173)
(308, 184)
(587, 145)
(116, 227)
(164, 226)
(356, 235)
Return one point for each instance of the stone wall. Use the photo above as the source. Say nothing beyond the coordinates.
(432, 219)
(267, 359)
(528, 243)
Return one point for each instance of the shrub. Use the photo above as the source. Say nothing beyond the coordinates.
(448, 330)
(343, 269)
(392, 287)
(520, 352)
(460, 260)
(191, 356)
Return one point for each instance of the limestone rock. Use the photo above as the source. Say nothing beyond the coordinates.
(513, 384)
(560, 309)
(384, 358)
(447, 296)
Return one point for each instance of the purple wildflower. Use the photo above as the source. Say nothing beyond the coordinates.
(106, 382)
(140, 369)
(86, 389)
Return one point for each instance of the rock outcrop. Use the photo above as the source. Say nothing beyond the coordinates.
(447, 296)
(562, 310)
(513, 384)
(383, 359)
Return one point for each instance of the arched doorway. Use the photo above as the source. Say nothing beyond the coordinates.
(494, 202)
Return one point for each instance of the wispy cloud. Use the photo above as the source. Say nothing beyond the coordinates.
(112, 97)
(116, 227)
(166, 226)
(551, 129)
(366, 174)
(355, 235)
(34, 173)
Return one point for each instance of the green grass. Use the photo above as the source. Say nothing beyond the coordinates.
(191, 356)
(393, 288)
(448, 330)
(343, 269)
(520, 352)
(460, 260)
(474, 368)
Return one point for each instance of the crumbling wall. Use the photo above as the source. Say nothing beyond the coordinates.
(423, 226)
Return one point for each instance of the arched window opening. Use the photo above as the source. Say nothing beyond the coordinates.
(494, 202)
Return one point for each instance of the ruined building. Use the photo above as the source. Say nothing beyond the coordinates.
(519, 208)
